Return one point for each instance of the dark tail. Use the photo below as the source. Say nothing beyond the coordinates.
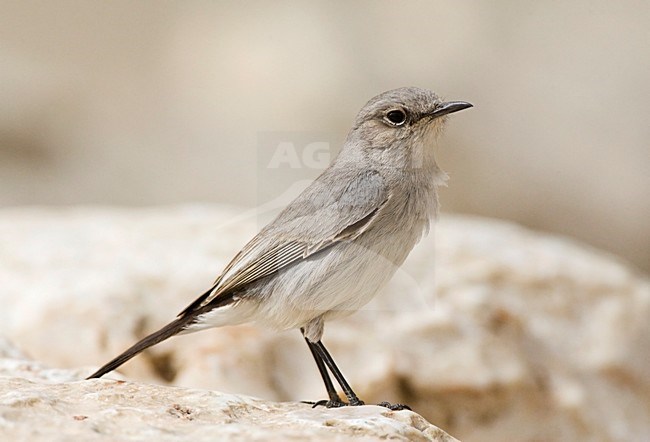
(166, 332)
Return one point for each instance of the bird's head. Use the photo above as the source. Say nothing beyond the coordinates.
(401, 123)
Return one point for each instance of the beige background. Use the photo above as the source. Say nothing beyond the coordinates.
(147, 103)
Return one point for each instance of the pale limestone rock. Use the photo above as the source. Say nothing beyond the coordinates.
(515, 336)
(41, 404)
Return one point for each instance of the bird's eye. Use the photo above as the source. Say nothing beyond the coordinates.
(395, 117)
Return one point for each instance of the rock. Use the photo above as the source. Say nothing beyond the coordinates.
(490, 331)
(41, 404)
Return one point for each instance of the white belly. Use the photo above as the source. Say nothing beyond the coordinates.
(335, 282)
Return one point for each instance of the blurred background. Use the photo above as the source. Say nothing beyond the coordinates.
(160, 102)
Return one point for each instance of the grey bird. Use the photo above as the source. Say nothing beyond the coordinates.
(332, 248)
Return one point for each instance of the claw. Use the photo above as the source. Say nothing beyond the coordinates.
(327, 403)
(394, 407)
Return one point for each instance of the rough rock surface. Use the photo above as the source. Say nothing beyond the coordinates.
(515, 335)
(40, 404)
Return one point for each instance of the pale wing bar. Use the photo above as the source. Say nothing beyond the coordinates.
(266, 264)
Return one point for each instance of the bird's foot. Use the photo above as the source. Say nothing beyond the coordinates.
(355, 402)
(327, 403)
(394, 407)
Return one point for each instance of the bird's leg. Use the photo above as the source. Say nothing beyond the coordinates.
(334, 400)
(325, 357)
(324, 360)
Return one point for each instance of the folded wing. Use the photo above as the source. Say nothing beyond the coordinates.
(336, 207)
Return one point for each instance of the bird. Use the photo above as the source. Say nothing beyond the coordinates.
(338, 242)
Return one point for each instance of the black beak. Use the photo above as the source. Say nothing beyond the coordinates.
(449, 108)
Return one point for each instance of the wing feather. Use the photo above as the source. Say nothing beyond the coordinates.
(328, 211)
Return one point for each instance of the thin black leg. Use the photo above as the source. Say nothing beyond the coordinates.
(323, 361)
(334, 399)
(331, 391)
(320, 349)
